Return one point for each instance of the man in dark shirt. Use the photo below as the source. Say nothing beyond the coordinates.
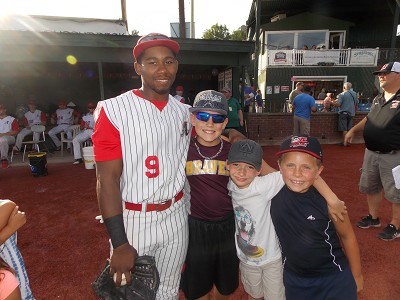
(381, 131)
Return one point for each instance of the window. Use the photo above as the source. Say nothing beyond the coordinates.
(277, 41)
(309, 39)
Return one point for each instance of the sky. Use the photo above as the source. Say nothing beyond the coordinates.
(143, 15)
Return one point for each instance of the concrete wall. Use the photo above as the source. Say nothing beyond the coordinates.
(271, 129)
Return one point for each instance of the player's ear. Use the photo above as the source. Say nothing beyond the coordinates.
(225, 122)
(321, 167)
(138, 68)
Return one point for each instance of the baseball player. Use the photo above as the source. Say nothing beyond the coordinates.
(179, 94)
(64, 118)
(141, 139)
(9, 128)
(32, 117)
(87, 125)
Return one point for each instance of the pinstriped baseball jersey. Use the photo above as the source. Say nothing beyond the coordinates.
(154, 155)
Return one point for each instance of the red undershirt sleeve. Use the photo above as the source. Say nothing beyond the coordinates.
(15, 125)
(43, 117)
(106, 139)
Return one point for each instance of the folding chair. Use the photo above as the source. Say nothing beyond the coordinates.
(76, 129)
(35, 143)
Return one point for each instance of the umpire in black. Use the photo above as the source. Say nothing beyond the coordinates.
(381, 131)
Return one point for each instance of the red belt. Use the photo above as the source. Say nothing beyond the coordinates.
(154, 206)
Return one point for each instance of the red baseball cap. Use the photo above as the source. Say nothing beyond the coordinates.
(153, 40)
(179, 88)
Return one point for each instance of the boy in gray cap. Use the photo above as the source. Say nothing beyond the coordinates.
(256, 240)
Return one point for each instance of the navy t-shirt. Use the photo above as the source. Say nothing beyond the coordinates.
(308, 239)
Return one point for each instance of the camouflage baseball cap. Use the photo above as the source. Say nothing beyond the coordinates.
(210, 100)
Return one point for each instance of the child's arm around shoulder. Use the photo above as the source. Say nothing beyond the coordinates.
(11, 219)
(266, 168)
(350, 245)
(337, 208)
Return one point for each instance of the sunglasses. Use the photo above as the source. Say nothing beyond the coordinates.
(203, 116)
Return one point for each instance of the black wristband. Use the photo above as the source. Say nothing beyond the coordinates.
(116, 230)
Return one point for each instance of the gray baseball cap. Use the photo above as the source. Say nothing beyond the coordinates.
(246, 151)
(210, 100)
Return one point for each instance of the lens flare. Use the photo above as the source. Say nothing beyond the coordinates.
(71, 59)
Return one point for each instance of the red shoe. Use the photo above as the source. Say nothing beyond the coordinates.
(4, 163)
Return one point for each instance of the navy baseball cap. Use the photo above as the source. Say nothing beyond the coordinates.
(306, 144)
(389, 67)
(246, 151)
(210, 100)
(154, 40)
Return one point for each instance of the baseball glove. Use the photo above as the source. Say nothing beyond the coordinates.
(145, 282)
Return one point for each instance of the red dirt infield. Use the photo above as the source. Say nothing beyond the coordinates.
(64, 247)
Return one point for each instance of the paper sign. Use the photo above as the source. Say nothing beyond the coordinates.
(396, 176)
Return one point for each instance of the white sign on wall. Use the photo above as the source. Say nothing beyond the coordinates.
(363, 56)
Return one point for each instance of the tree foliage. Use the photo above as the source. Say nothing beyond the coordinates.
(238, 35)
(221, 32)
(135, 32)
(217, 32)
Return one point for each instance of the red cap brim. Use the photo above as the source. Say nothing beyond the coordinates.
(298, 150)
(172, 45)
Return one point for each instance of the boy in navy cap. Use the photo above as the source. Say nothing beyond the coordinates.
(316, 266)
(257, 244)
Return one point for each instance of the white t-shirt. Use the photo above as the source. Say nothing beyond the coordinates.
(256, 240)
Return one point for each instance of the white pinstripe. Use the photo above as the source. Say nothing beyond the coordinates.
(147, 132)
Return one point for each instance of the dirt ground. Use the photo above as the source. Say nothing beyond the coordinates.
(64, 247)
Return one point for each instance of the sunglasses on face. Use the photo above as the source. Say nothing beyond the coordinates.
(203, 116)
